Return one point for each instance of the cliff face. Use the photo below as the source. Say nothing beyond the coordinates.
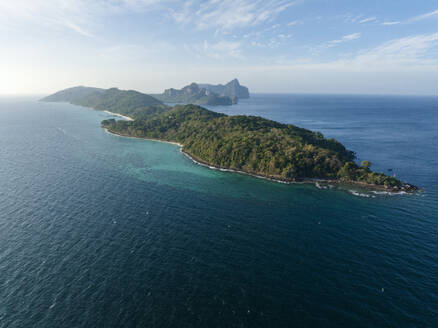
(194, 94)
(231, 89)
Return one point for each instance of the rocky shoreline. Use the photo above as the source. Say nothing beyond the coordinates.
(319, 183)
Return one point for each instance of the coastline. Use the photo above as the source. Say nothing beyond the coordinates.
(318, 183)
(119, 115)
(150, 139)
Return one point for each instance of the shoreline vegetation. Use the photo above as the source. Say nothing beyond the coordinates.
(243, 144)
(318, 183)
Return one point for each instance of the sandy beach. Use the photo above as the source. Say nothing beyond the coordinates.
(119, 115)
(156, 140)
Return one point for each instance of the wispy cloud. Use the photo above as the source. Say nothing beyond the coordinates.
(410, 50)
(390, 23)
(272, 42)
(398, 54)
(284, 36)
(220, 50)
(345, 38)
(410, 54)
(367, 20)
(424, 16)
(134, 53)
(50, 14)
(78, 16)
(356, 19)
(226, 15)
(295, 22)
(413, 19)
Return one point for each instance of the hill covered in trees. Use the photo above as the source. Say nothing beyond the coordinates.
(72, 94)
(250, 144)
(125, 102)
(256, 146)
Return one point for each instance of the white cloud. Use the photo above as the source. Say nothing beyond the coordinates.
(413, 19)
(50, 14)
(350, 37)
(220, 50)
(390, 23)
(345, 38)
(84, 17)
(409, 53)
(424, 16)
(293, 23)
(405, 51)
(226, 15)
(414, 54)
(257, 44)
(367, 20)
(124, 54)
(78, 16)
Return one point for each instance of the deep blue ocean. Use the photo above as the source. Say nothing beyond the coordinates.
(98, 230)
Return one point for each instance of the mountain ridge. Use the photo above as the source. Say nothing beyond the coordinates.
(231, 89)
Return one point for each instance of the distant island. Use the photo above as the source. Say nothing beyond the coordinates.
(133, 104)
(206, 94)
(247, 144)
(232, 89)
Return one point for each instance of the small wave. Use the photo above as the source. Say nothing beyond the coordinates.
(61, 129)
(317, 185)
(359, 194)
(389, 193)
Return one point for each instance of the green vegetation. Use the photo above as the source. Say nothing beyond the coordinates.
(72, 94)
(245, 143)
(125, 102)
(351, 172)
(254, 145)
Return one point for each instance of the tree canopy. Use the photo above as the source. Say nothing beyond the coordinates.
(253, 144)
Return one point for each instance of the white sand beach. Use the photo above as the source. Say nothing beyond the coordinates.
(119, 115)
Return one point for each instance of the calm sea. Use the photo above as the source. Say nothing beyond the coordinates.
(98, 230)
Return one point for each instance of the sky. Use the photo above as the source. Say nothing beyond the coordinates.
(271, 46)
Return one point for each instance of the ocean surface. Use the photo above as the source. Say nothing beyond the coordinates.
(98, 230)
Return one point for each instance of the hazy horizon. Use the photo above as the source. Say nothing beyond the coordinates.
(38, 95)
(272, 46)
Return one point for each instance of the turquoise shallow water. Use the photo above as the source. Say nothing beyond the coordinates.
(98, 230)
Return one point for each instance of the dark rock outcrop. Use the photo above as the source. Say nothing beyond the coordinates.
(194, 94)
(231, 89)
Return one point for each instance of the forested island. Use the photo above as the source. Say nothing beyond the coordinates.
(130, 103)
(249, 144)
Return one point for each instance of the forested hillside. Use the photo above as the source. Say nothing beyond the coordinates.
(254, 145)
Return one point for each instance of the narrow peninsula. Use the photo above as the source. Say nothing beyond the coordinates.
(248, 144)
